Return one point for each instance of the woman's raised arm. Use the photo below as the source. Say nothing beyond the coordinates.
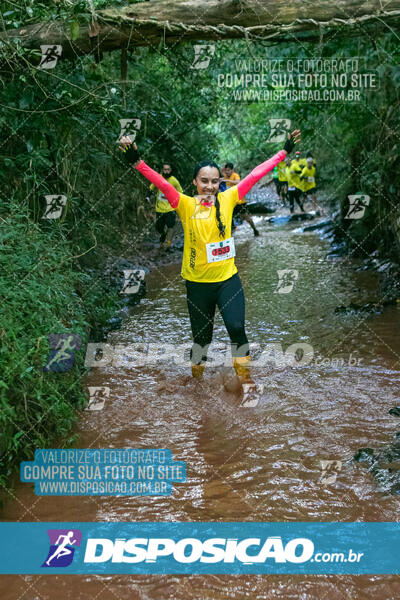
(132, 156)
(245, 185)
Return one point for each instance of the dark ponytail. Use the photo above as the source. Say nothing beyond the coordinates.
(221, 226)
(211, 163)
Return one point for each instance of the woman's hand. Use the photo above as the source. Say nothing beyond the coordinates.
(124, 142)
(293, 138)
(130, 150)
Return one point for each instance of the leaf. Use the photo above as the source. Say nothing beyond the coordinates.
(74, 30)
(28, 370)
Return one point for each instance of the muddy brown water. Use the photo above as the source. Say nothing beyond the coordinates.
(256, 464)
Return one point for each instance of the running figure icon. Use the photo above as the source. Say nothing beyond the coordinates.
(62, 549)
(63, 543)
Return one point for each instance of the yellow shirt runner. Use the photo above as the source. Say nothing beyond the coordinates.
(162, 204)
(282, 171)
(232, 180)
(204, 250)
(309, 182)
(293, 175)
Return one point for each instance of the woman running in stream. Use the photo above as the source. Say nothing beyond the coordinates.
(208, 264)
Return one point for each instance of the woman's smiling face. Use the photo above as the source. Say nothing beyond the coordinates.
(207, 182)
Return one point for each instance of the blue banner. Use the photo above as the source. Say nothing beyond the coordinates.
(199, 548)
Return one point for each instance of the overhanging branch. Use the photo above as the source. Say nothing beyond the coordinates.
(181, 20)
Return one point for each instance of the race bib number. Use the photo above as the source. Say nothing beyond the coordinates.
(220, 250)
(310, 179)
(291, 188)
(162, 198)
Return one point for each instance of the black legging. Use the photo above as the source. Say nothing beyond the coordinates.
(202, 298)
(295, 195)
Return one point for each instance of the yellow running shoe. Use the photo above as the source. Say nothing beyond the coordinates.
(198, 370)
(241, 364)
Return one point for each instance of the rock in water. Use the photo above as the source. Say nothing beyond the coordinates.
(301, 217)
(321, 225)
(383, 464)
(259, 208)
(364, 455)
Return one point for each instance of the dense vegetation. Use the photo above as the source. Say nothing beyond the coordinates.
(59, 129)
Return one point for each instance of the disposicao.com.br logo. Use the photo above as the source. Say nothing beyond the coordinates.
(214, 550)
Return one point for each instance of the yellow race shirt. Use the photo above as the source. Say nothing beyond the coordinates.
(302, 162)
(200, 228)
(308, 183)
(162, 204)
(293, 175)
(232, 180)
(282, 171)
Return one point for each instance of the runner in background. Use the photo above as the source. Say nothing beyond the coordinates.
(309, 184)
(309, 154)
(230, 179)
(275, 179)
(293, 173)
(282, 182)
(300, 159)
(299, 162)
(165, 214)
(230, 176)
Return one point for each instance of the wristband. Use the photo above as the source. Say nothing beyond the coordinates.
(289, 145)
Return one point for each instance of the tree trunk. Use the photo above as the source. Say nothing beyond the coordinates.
(143, 24)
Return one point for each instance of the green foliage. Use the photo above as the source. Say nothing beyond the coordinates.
(35, 290)
(17, 15)
(42, 293)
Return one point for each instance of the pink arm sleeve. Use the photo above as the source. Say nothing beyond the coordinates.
(171, 194)
(247, 183)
